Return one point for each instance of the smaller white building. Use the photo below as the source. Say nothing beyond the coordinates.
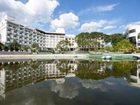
(72, 40)
(133, 33)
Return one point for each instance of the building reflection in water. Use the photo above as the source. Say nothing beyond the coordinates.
(18, 74)
(135, 77)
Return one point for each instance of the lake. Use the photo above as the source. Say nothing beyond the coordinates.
(69, 82)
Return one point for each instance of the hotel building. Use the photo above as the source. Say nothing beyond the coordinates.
(71, 39)
(133, 34)
(11, 30)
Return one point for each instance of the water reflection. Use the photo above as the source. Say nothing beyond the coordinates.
(68, 79)
(17, 74)
(135, 77)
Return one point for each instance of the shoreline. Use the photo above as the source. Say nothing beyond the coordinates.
(69, 56)
(45, 56)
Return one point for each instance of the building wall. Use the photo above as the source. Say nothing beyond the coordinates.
(24, 35)
(11, 30)
(3, 31)
(52, 39)
(71, 39)
(132, 34)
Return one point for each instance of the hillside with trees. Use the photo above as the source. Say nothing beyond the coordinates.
(96, 41)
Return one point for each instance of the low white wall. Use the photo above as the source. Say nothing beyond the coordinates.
(45, 56)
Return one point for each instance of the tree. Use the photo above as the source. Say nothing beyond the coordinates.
(90, 70)
(14, 45)
(6, 47)
(63, 46)
(91, 41)
(25, 48)
(123, 68)
(124, 46)
(1, 46)
(35, 47)
(64, 66)
(115, 38)
(139, 36)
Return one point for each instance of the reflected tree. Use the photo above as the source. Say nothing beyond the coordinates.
(100, 70)
(92, 70)
(64, 66)
(123, 68)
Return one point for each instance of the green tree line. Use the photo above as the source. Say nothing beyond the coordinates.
(15, 46)
(117, 41)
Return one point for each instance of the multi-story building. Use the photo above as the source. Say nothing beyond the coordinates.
(133, 34)
(11, 30)
(52, 39)
(71, 39)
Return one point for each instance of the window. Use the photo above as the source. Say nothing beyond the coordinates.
(132, 31)
(133, 40)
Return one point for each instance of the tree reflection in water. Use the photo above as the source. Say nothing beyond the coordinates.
(18, 74)
(69, 82)
(99, 70)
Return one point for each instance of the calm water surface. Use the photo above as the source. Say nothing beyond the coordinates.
(69, 82)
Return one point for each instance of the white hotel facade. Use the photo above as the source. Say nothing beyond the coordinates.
(11, 30)
(133, 34)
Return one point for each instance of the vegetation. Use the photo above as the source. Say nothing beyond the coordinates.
(90, 70)
(25, 48)
(123, 68)
(139, 36)
(64, 66)
(35, 48)
(99, 70)
(15, 46)
(1, 46)
(124, 46)
(63, 46)
(94, 41)
(91, 41)
(115, 38)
